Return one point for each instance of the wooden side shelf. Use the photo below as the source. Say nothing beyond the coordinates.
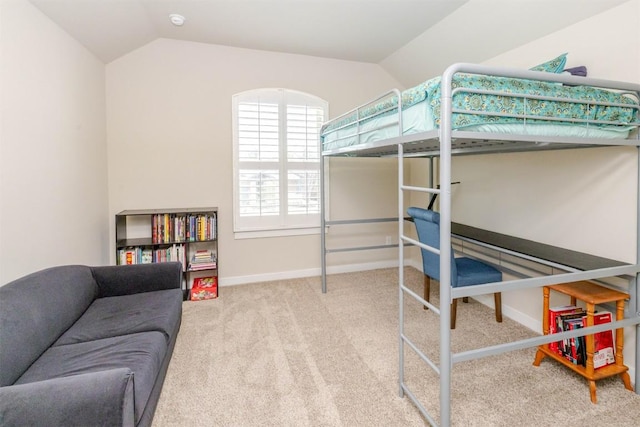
(592, 294)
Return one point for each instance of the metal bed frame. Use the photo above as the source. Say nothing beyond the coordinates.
(443, 144)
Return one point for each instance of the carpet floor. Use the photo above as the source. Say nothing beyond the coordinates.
(284, 354)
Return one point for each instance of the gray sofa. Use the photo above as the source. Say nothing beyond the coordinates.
(87, 346)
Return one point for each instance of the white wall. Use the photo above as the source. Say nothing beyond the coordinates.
(53, 180)
(170, 138)
(584, 200)
(491, 27)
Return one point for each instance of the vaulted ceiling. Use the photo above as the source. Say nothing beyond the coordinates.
(444, 31)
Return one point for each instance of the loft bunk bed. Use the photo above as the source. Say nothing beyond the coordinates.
(475, 109)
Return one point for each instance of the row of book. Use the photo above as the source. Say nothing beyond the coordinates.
(169, 228)
(145, 255)
(201, 260)
(571, 317)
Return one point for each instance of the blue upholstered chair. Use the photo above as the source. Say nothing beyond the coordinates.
(464, 271)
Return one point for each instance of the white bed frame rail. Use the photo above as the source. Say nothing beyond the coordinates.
(324, 222)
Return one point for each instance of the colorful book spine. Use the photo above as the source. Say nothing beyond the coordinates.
(554, 314)
(573, 352)
(562, 325)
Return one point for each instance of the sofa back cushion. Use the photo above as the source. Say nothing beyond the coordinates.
(37, 309)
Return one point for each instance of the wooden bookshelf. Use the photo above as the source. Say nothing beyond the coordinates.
(592, 294)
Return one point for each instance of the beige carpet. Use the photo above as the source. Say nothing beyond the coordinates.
(284, 354)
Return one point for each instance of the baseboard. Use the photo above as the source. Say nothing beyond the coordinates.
(311, 272)
(524, 319)
(513, 314)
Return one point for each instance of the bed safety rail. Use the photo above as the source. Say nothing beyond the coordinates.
(324, 223)
(355, 134)
(326, 251)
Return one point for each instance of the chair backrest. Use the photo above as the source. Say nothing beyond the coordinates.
(427, 224)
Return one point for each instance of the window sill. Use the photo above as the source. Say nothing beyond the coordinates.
(260, 234)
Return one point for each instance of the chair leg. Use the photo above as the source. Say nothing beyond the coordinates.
(427, 289)
(454, 307)
(497, 298)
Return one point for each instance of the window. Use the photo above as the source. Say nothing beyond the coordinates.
(276, 160)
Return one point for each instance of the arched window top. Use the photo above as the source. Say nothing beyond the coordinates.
(277, 159)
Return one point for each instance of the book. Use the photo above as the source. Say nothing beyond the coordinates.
(166, 234)
(203, 260)
(575, 352)
(154, 229)
(147, 256)
(204, 288)
(554, 313)
(130, 256)
(561, 326)
(603, 341)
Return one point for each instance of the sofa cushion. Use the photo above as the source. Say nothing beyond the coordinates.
(142, 353)
(96, 399)
(115, 280)
(36, 310)
(128, 314)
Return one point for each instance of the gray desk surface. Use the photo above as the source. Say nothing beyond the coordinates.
(578, 260)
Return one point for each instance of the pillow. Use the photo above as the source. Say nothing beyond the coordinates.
(576, 71)
(556, 65)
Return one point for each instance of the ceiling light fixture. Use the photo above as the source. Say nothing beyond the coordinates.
(177, 20)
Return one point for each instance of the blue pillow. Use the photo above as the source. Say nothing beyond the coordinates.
(556, 65)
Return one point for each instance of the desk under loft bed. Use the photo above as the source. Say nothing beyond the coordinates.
(456, 114)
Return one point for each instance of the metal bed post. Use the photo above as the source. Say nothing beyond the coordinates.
(445, 242)
(400, 246)
(634, 280)
(323, 220)
(634, 283)
(323, 242)
(400, 268)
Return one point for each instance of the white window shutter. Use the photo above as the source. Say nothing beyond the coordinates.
(277, 159)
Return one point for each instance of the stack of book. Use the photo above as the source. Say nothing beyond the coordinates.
(204, 288)
(569, 317)
(203, 260)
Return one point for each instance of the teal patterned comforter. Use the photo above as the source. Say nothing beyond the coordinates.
(488, 104)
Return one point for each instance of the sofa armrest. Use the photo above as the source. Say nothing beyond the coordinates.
(102, 398)
(118, 280)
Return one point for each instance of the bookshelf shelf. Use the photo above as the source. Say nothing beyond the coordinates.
(591, 294)
(161, 235)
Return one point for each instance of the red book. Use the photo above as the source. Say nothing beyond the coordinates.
(204, 288)
(603, 341)
(154, 229)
